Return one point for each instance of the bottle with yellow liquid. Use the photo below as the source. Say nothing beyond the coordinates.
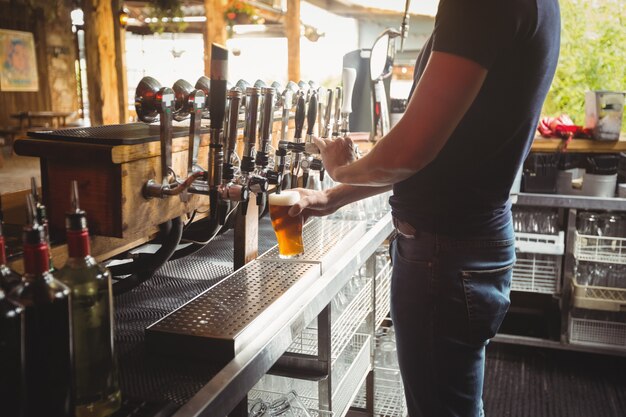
(96, 383)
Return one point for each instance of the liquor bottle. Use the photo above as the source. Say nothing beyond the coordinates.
(96, 387)
(11, 365)
(8, 278)
(47, 328)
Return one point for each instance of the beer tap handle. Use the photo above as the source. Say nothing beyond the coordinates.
(165, 98)
(234, 100)
(337, 123)
(311, 116)
(199, 99)
(189, 101)
(300, 116)
(348, 79)
(252, 106)
(219, 72)
(218, 85)
(286, 102)
(328, 114)
(267, 118)
(204, 84)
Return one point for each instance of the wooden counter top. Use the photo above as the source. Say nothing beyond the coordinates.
(580, 145)
(540, 144)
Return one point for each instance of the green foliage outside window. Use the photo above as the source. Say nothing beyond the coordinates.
(593, 55)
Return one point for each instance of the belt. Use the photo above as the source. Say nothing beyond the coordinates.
(404, 229)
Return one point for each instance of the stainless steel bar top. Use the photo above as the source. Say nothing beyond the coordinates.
(269, 338)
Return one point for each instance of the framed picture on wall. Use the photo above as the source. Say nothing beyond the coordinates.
(18, 62)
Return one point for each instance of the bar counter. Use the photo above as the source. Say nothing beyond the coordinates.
(203, 385)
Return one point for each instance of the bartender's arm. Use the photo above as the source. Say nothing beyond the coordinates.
(323, 203)
(444, 93)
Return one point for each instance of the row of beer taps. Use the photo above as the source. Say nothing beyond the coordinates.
(214, 99)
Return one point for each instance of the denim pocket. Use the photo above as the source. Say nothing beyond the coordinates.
(414, 251)
(487, 298)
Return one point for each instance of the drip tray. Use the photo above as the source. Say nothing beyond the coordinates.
(221, 321)
(325, 241)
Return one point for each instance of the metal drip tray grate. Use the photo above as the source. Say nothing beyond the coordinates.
(324, 241)
(125, 134)
(221, 319)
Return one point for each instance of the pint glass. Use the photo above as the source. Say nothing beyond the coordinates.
(288, 229)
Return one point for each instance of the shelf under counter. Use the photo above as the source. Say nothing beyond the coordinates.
(570, 201)
(224, 391)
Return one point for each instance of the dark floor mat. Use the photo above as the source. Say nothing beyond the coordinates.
(532, 382)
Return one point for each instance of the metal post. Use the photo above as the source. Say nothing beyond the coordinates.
(325, 386)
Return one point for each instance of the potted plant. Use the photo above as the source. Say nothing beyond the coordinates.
(239, 13)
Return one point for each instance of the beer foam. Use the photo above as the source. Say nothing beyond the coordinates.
(285, 198)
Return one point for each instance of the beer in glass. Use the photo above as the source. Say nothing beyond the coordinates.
(288, 229)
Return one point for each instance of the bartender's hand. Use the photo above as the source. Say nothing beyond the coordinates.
(335, 153)
(312, 203)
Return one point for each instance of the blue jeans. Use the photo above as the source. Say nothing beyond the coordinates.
(448, 298)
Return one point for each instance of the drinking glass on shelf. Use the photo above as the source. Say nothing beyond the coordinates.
(583, 273)
(258, 408)
(288, 405)
(588, 223)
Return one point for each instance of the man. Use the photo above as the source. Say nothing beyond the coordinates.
(480, 82)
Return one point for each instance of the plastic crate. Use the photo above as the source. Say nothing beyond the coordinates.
(600, 329)
(539, 243)
(598, 298)
(603, 249)
(537, 273)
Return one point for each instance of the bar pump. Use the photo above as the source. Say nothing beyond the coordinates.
(152, 103)
(327, 122)
(190, 102)
(348, 77)
(299, 122)
(277, 176)
(308, 162)
(267, 119)
(249, 179)
(218, 86)
(337, 121)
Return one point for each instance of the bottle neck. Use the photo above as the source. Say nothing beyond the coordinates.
(3, 253)
(36, 259)
(78, 243)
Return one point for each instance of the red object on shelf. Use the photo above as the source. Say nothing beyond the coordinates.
(561, 127)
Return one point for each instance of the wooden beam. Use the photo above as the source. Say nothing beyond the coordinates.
(101, 69)
(292, 27)
(120, 61)
(214, 29)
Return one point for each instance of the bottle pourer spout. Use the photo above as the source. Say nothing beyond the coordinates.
(75, 200)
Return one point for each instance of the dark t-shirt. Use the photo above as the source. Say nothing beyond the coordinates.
(465, 189)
